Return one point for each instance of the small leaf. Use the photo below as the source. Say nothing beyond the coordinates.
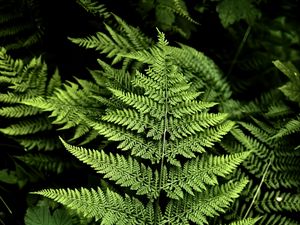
(292, 88)
(232, 11)
(42, 216)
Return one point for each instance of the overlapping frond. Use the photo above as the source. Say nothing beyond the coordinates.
(125, 171)
(126, 40)
(44, 162)
(275, 164)
(66, 105)
(277, 201)
(209, 203)
(17, 29)
(20, 82)
(197, 174)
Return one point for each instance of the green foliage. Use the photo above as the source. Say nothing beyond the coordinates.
(177, 129)
(20, 82)
(200, 70)
(94, 8)
(274, 163)
(45, 162)
(40, 215)
(231, 11)
(165, 131)
(169, 15)
(291, 88)
(65, 106)
(17, 29)
(121, 41)
(245, 222)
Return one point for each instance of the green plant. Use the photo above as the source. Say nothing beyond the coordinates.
(21, 24)
(266, 127)
(165, 134)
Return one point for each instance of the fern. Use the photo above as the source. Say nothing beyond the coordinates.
(65, 106)
(94, 8)
(24, 82)
(44, 162)
(71, 103)
(273, 158)
(17, 29)
(156, 128)
(291, 88)
(245, 222)
(132, 40)
(200, 70)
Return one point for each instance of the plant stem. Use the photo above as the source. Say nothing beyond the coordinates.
(6, 206)
(258, 189)
(238, 52)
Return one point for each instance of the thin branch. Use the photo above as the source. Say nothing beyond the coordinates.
(6, 206)
(258, 189)
(238, 52)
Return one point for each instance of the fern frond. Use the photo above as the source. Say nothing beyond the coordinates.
(128, 39)
(108, 206)
(127, 172)
(197, 173)
(45, 162)
(250, 221)
(164, 128)
(94, 8)
(29, 126)
(42, 142)
(188, 146)
(209, 203)
(290, 127)
(276, 219)
(291, 88)
(18, 111)
(279, 202)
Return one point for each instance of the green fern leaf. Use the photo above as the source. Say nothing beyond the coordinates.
(108, 206)
(292, 88)
(126, 172)
(249, 221)
(29, 126)
(94, 8)
(209, 203)
(198, 173)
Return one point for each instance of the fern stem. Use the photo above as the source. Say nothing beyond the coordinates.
(6, 206)
(164, 142)
(258, 189)
(238, 52)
